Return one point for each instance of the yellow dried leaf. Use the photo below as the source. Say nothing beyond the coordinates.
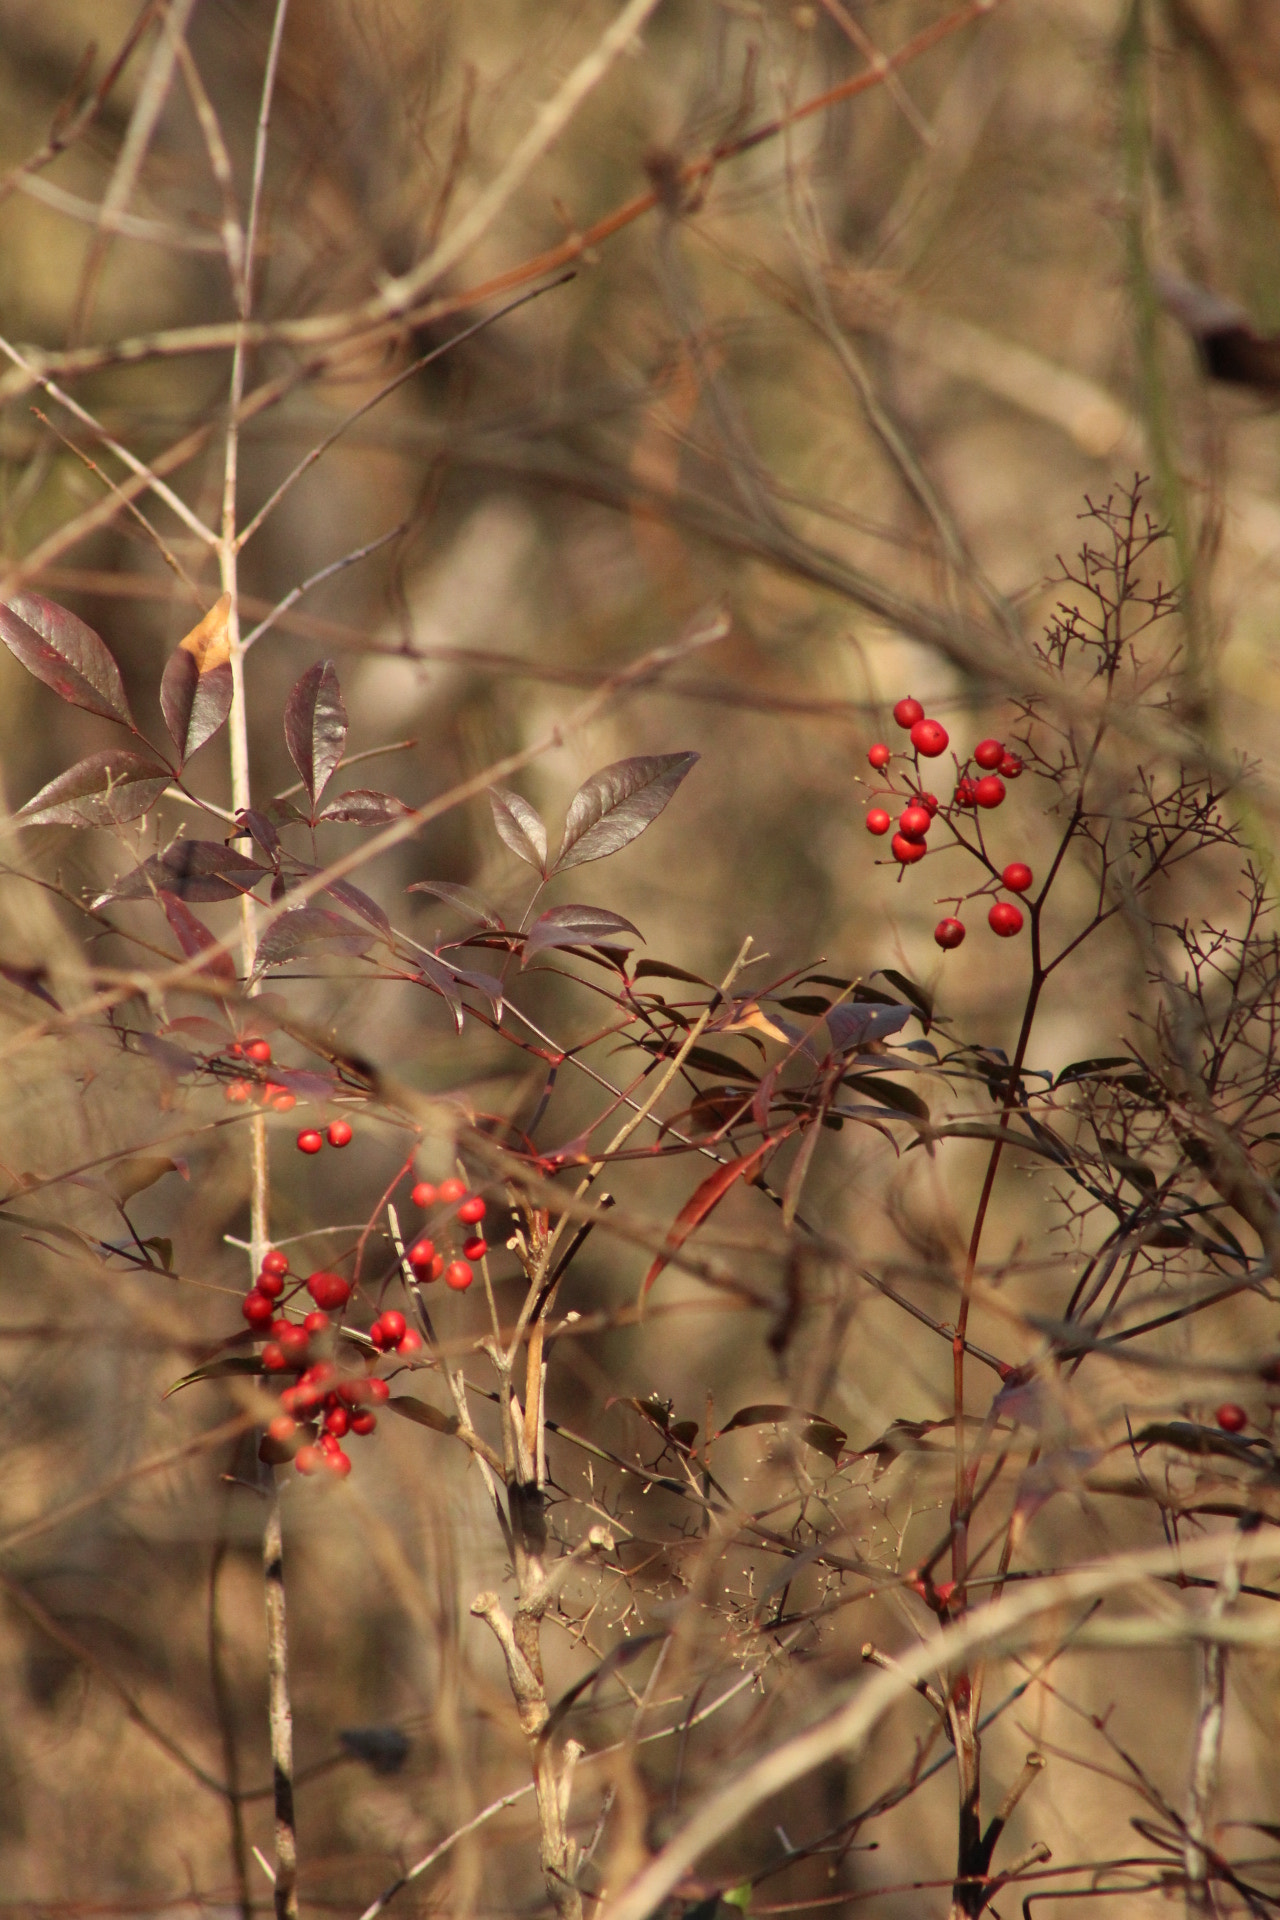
(208, 643)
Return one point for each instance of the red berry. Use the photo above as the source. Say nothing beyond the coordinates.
(409, 1342)
(880, 756)
(329, 1290)
(472, 1210)
(930, 738)
(282, 1428)
(1005, 919)
(295, 1342)
(275, 1262)
(273, 1357)
(338, 1462)
(420, 1256)
(929, 801)
(393, 1324)
(989, 754)
(966, 790)
(1231, 1418)
(990, 790)
(1010, 766)
(949, 933)
(269, 1283)
(363, 1422)
(907, 712)
(338, 1133)
(458, 1275)
(377, 1336)
(379, 1390)
(437, 1267)
(237, 1092)
(235, 1050)
(257, 1309)
(284, 1101)
(316, 1322)
(475, 1248)
(450, 1190)
(309, 1141)
(259, 1051)
(308, 1459)
(424, 1194)
(320, 1375)
(1017, 876)
(336, 1421)
(877, 822)
(907, 851)
(913, 824)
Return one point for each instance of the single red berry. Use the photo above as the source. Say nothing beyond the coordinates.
(989, 754)
(275, 1262)
(880, 756)
(309, 1141)
(363, 1422)
(273, 1357)
(308, 1459)
(1005, 919)
(949, 933)
(257, 1309)
(424, 1194)
(475, 1248)
(989, 791)
(966, 790)
(877, 821)
(316, 1322)
(472, 1210)
(338, 1133)
(929, 801)
(377, 1336)
(913, 824)
(1010, 766)
(420, 1256)
(458, 1275)
(907, 712)
(295, 1342)
(437, 1268)
(930, 738)
(379, 1389)
(1231, 1418)
(259, 1051)
(284, 1101)
(1017, 876)
(329, 1290)
(907, 851)
(450, 1190)
(338, 1462)
(270, 1089)
(336, 1421)
(393, 1324)
(409, 1342)
(282, 1428)
(269, 1283)
(237, 1092)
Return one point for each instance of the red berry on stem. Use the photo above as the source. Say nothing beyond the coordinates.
(257, 1309)
(450, 1190)
(282, 1428)
(308, 1459)
(930, 738)
(309, 1141)
(914, 823)
(1017, 876)
(1231, 1418)
(275, 1262)
(1010, 766)
(379, 1390)
(316, 1322)
(989, 754)
(409, 1342)
(907, 851)
(363, 1422)
(1005, 919)
(907, 712)
(989, 791)
(929, 801)
(458, 1275)
(269, 1283)
(880, 756)
(393, 1324)
(377, 1336)
(471, 1210)
(295, 1342)
(949, 933)
(878, 821)
(474, 1249)
(338, 1133)
(420, 1256)
(238, 1092)
(329, 1289)
(259, 1051)
(273, 1357)
(437, 1268)
(336, 1421)
(966, 790)
(424, 1194)
(284, 1101)
(338, 1462)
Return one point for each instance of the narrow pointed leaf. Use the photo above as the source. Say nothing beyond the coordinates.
(106, 790)
(919, 998)
(202, 870)
(444, 980)
(66, 654)
(315, 726)
(576, 926)
(310, 930)
(616, 804)
(195, 690)
(365, 807)
(194, 938)
(520, 827)
(819, 1432)
(704, 1202)
(138, 1171)
(421, 1411)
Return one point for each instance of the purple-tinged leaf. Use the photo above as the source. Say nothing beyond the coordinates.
(203, 870)
(195, 689)
(704, 1200)
(576, 926)
(519, 827)
(616, 804)
(66, 654)
(854, 1024)
(365, 807)
(31, 980)
(283, 813)
(171, 1059)
(479, 981)
(919, 998)
(307, 1084)
(315, 726)
(445, 982)
(460, 897)
(360, 902)
(106, 790)
(261, 828)
(306, 929)
(194, 938)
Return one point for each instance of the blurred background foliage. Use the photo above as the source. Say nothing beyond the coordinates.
(901, 343)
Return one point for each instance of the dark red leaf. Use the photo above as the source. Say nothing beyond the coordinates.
(106, 790)
(203, 870)
(31, 980)
(360, 902)
(365, 807)
(575, 926)
(703, 1202)
(66, 654)
(315, 726)
(194, 937)
(305, 929)
(195, 690)
(616, 804)
(519, 827)
(853, 1025)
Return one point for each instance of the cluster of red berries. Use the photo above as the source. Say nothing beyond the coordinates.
(423, 1257)
(270, 1092)
(338, 1133)
(929, 739)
